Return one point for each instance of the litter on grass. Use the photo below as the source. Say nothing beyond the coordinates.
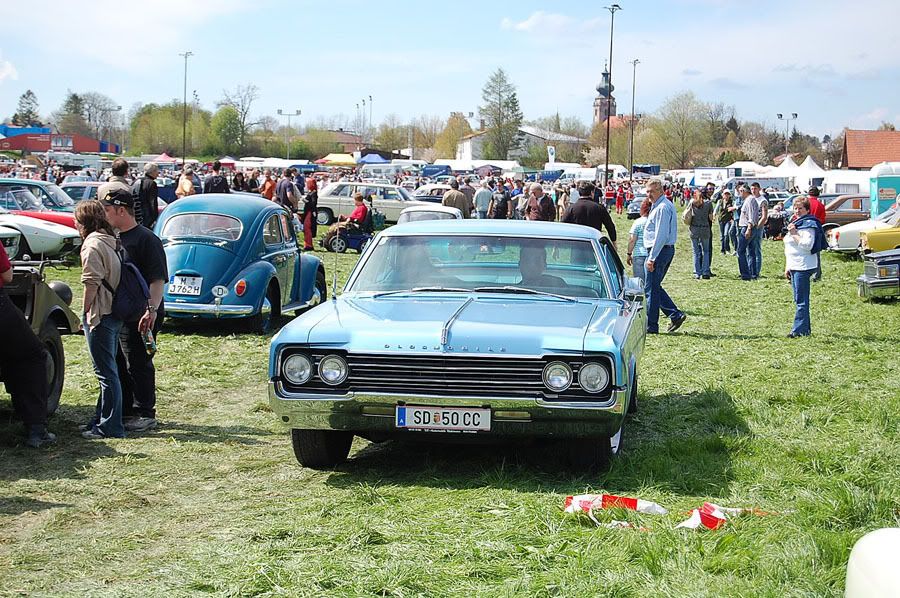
(709, 516)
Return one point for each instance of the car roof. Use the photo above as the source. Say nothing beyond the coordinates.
(432, 207)
(82, 184)
(242, 207)
(23, 182)
(512, 228)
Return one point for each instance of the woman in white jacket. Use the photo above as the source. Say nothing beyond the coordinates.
(800, 262)
(101, 328)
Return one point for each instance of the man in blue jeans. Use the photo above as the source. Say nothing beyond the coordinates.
(758, 228)
(660, 234)
(746, 225)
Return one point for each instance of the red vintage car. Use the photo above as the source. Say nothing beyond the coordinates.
(37, 199)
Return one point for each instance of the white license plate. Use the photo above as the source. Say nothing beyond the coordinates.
(185, 285)
(447, 419)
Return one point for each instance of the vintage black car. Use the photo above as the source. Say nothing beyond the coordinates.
(881, 275)
(46, 307)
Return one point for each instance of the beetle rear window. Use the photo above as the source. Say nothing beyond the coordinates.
(212, 226)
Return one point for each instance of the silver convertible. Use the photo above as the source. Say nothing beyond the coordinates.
(467, 328)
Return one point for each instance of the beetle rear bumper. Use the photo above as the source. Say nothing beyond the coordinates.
(211, 310)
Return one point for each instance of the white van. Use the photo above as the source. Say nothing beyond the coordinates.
(380, 171)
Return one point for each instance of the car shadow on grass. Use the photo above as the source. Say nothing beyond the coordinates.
(16, 505)
(679, 443)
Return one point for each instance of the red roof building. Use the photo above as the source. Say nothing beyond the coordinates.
(78, 144)
(865, 149)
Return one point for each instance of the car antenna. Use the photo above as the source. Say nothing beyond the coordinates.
(334, 278)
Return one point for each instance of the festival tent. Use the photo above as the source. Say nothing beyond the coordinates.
(227, 161)
(787, 168)
(749, 168)
(164, 158)
(810, 165)
(808, 174)
(337, 160)
(373, 159)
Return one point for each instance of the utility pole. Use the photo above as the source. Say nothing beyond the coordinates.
(634, 64)
(787, 123)
(370, 111)
(287, 131)
(184, 113)
(612, 20)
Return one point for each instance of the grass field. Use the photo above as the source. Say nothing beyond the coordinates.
(731, 412)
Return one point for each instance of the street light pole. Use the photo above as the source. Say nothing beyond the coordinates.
(787, 120)
(634, 64)
(287, 144)
(370, 111)
(612, 19)
(362, 137)
(184, 112)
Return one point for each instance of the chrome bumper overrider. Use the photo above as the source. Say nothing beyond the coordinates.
(877, 287)
(375, 413)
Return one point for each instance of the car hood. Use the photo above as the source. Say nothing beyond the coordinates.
(216, 263)
(30, 225)
(484, 324)
(861, 226)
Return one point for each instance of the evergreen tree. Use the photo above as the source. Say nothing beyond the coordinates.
(27, 114)
(70, 118)
(502, 116)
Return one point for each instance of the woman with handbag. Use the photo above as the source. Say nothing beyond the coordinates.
(100, 274)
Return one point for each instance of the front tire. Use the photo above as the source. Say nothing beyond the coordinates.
(594, 454)
(56, 364)
(321, 449)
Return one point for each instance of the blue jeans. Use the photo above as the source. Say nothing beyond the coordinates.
(733, 235)
(702, 255)
(103, 343)
(638, 266)
(800, 283)
(481, 214)
(745, 258)
(657, 297)
(726, 233)
(756, 250)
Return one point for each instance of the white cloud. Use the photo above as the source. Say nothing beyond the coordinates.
(870, 119)
(550, 24)
(7, 70)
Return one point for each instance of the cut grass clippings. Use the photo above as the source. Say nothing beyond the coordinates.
(731, 412)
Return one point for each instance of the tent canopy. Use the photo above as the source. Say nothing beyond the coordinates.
(809, 165)
(226, 160)
(164, 158)
(373, 159)
(337, 160)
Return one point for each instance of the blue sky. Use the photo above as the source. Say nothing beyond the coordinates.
(835, 63)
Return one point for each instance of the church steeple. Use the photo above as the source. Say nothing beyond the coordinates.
(604, 103)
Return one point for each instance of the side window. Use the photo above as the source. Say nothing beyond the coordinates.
(272, 231)
(92, 192)
(287, 228)
(42, 195)
(391, 194)
(342, 191)
(865, 204)
(614, 266)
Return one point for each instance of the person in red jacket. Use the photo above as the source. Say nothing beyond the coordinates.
(817, 209)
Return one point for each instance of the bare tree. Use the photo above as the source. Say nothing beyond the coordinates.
(101, 114)
(241, 99)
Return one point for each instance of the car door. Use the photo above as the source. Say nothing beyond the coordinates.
(292, 256)
(273, 239)
(393, 203)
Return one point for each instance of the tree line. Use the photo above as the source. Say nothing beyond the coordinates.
(684, 132)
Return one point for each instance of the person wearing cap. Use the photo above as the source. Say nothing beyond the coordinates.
(186, 185)
(136, 370)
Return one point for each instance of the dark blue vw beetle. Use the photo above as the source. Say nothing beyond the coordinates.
(236, 256)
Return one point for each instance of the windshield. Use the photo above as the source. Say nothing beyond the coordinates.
(888, 215)
(60, 198)
(212, 226)
(419, 215)
(559, 266)
(19, 199)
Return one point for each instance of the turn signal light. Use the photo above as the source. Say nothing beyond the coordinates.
(240, 288)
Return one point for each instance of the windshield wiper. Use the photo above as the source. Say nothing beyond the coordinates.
(523, 290)
(422, 290)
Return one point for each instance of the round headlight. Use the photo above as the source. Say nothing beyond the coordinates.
(297, 369)
(557, 376)
(333, 369)
(593, 377)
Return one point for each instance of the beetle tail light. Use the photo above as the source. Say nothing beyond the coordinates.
(240, 288)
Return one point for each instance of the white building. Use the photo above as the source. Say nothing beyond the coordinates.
(471, 147)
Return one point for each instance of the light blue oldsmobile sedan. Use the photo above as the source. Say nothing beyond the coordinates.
(467, 328)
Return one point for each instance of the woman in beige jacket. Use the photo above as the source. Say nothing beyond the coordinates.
(99, 263)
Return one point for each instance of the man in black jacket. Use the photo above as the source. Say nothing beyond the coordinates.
(216, 183)
(588, 212)
(146, 196)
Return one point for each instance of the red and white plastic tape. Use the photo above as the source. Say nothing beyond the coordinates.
(709, 516)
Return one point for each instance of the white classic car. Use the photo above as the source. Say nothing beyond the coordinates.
(429, 212)
(9, 238)
(845, 239)
(39, 237)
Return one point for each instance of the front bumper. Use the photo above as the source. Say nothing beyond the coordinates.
(868, 287)
(211, 310)
(374, 414)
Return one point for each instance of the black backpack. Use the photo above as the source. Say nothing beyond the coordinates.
(131, 297)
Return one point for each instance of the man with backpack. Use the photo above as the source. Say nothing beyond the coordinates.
(216, 183)
(135, 364)
(145, 194)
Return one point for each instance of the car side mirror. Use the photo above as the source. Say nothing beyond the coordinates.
(634, 289)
